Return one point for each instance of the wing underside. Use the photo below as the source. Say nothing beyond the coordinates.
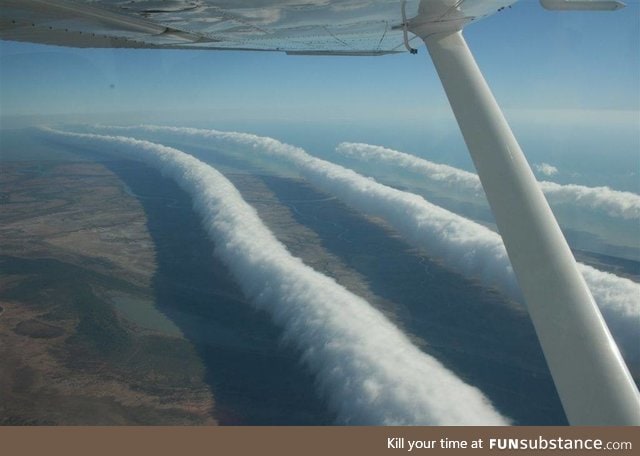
(315, 27)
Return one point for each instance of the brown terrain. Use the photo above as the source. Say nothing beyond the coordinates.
(113, 309)
(73, 243)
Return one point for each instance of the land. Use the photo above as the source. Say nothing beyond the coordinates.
(114, 309)
(71, 238)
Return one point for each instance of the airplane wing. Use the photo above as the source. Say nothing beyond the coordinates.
(334, 27)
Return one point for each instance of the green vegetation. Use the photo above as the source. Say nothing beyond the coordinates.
(170, 362)
(99, 328)
(37, 329)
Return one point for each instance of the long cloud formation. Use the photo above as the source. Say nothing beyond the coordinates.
(460, 243)
(615, 203)
(367, 368)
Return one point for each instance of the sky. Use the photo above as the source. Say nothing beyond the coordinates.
(575, 76)
(531, 57)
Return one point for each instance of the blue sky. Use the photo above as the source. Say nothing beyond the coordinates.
(532, 58)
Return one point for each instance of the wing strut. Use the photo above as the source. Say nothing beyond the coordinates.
(591, 378)
(405, 29)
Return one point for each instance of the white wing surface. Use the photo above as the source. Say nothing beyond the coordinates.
(338, 27)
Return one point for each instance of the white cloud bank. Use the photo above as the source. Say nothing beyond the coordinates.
(546, 169)
(460, 243)
(366, 368)
(614, 203)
